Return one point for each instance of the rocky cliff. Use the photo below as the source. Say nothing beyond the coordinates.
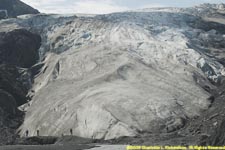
(124, 74)
(18, 48)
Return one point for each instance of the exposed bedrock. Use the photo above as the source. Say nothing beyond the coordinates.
(18, 52)
(19, 47)
(13, 91)
(14, 82)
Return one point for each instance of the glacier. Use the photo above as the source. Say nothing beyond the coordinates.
(121, 74)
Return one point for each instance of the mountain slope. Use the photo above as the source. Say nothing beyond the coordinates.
(123, 74)
(16, 8)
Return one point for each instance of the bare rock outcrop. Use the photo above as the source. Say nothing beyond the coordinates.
(12, 94)
(19, 47)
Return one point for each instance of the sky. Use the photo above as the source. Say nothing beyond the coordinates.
(107, 6)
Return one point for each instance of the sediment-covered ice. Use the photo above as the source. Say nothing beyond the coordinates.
(120, 74)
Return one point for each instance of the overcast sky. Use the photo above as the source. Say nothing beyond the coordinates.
(107, 6)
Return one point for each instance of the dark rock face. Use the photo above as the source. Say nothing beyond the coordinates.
(18, 52)
(7, 102)
(16, 8)
(19, 47)
(12, 94)
(13, 91)
(8, 125)
(10, 82)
